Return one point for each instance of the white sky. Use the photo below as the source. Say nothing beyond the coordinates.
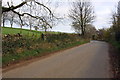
(103, 11)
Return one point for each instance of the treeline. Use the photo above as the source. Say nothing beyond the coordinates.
(112, 35)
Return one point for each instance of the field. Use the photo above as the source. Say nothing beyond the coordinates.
(26, 32)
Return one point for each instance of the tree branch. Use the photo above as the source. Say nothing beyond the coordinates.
(6, 9)
(36, 17)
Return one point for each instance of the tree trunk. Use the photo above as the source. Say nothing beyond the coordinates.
(82, 27)
(0, 34)
(30, 27)
(83, 32)
(3, 23)
(45, 30)
(11, 25)
(21, 29)
(11, 22)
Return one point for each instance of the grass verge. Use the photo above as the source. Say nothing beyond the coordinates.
(114, 53)
(9, 59)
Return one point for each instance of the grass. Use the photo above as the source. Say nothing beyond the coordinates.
(114, 53)
(26, 32)
(116, 44)
(9, 58)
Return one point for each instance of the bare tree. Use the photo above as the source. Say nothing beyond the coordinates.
(116, 23)
(36, 28)
(48, 21)
(21, 24)
(23, 20)
(116, 19)
(118, 16)
(82, 14)
(11, 17)
(27, 13)
(4, 18)
(46, 26)
(30, 18)
(118, 8)
(90, 30)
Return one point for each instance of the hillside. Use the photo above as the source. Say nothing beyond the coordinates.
(26, 32)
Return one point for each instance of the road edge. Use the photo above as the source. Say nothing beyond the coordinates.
(29, 61)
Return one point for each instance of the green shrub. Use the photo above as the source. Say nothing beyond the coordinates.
(15, 48)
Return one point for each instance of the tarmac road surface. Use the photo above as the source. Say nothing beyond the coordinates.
(85, 61)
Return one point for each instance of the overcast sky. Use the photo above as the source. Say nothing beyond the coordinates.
(103, 11)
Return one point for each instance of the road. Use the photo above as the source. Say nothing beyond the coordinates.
(86, 61)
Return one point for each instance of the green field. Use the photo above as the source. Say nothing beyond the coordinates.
(26, 32)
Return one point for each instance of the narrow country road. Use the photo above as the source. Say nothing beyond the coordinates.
(86, 61)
